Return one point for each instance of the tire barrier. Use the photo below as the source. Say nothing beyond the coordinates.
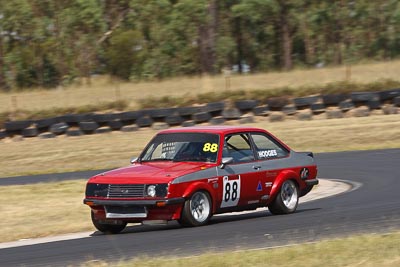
(88, 127)
(59, 128)
(215, 108)
(201, 117)
(231, 114)
(305, 102)
(332, 106)
(331, 100)
(246, 105)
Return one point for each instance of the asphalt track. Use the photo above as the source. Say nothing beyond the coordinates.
(372, 208)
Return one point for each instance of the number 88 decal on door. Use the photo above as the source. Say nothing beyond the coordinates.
(231, 192)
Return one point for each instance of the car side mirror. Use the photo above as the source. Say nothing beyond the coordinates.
(225, 161)
(134, 159)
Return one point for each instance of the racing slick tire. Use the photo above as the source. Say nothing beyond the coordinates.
(107, 228)
(287, 199)
(196, 210)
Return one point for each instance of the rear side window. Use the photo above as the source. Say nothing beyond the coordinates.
(267, 148)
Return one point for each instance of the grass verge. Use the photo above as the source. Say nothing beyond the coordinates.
(365, 250)
(44, 209)
(106, 95)
(61, 154)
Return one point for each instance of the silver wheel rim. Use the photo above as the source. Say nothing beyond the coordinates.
(289, 195)
(199, 206)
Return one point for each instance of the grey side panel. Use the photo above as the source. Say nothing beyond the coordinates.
(296, 159)
(202, 174)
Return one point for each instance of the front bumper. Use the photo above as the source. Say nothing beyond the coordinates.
(157, 203)
(311, 182)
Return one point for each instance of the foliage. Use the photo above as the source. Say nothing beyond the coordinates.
(46, 43)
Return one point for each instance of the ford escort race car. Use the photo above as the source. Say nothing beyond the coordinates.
(189, 174)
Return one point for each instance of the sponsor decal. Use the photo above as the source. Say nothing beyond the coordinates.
(259, 186)
(210, 180)
(304, 173)
(267, 153)
(268, 184)
(252, 201)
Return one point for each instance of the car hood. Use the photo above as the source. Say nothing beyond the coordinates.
(149, 172)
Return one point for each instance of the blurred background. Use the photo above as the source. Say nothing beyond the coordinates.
(47, 43)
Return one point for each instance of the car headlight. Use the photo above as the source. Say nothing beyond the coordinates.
(156, 190)
(151, 190)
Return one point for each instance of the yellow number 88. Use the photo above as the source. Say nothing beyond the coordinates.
(210, 147)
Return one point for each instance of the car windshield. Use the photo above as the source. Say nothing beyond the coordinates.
(201, 147)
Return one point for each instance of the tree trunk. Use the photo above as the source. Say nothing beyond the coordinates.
(287, 40)
(2, 78)
(207, 39)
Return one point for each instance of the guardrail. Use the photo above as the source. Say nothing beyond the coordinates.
(356, 104)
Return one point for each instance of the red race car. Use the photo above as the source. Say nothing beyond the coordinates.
(189, 174)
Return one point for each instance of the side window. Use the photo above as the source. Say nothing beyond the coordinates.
(238, 147)
(268, 148)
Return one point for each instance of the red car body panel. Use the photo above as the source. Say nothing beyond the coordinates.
(253, 183)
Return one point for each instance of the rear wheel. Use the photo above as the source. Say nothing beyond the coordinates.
(107, 228)
(287, 199)
(196, 210)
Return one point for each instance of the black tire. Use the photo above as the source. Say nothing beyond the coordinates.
(334, 99)
(374, 104)
(129, 117)
(161, 113)
(277, 103)
(3, 134)
(30, 132)
(144, 122)
(12, 126)
(88, 127)
(201, 117)
(189, 111)
(231, 114)
(389, 94)
(107, 228)
(346, 105)
(261, 110)
(289, 109)
(59, 128)
(115, 125)
(305, 102)
(173, 120)
(215, 108)
(286, 200)
(197, 210)
(74, 132)
(396, 101)
(246, 105)
(318, 108)
(44, 124)
(217, 121)
(363, 97)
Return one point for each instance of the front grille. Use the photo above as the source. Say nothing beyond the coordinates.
(125, 190)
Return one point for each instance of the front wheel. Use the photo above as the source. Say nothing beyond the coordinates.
(196, 210)
(107, 228)
(287, 199)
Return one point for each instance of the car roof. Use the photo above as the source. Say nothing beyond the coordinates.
(213, 129)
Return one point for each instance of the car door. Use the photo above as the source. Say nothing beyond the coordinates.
(271, 158)
(241, 180)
